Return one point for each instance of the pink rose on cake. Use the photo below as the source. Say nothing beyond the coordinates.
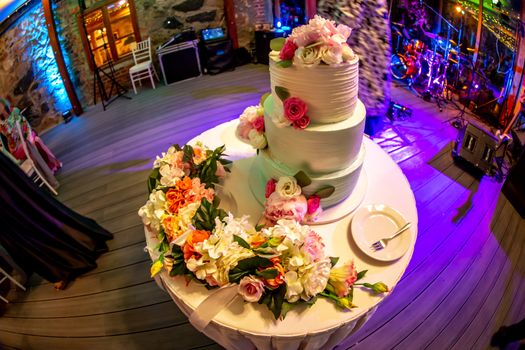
(294, 108)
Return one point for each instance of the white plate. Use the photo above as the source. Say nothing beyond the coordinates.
(375, 221)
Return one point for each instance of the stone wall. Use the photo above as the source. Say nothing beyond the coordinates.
(247, 14)
(29, 77)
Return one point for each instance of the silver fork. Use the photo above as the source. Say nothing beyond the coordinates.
(381, 244)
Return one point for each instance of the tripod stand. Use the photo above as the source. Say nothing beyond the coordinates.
(107, 70)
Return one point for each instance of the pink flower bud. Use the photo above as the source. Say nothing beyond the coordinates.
(270, 187)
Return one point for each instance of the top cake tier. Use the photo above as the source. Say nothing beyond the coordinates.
(329, 91)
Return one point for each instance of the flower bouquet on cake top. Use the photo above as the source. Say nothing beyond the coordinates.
(281, 265)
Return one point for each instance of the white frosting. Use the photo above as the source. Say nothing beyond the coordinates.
(330, 91)
(344, 181)
(318, 149)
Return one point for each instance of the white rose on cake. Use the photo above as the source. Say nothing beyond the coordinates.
(287, 187)
(307, 56)
(332, 54)
(257, 140)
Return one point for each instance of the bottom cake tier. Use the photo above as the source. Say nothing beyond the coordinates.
(344, 181)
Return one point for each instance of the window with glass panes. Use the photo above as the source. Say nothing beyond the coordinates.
(111, 30)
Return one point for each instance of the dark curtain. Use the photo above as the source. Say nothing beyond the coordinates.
(41, 234)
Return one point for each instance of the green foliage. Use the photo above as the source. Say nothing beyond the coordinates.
(153, 179)
(303, 180)
(248, 266)
(284, 63)
(263, 98)
(361, 274)
(274, 300)
(179, 267)
(277, 44)
(333, 261)
(241, 241)
(204, 218)
(282, 93)
(325, 192)
(268, 273)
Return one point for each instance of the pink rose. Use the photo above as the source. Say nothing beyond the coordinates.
(294, 108)
(288, 50)
(314, 203)
(270, 187)
(301, 123)
(258, 124)
(243, 129)
(251, 289)
(277, 207)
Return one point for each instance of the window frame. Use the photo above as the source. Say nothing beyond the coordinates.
(103, 6)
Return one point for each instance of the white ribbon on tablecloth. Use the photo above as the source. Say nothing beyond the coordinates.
(212, 305)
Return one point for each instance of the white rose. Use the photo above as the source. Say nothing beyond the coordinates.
(287, 187)
(307, 56)
(257, 140)
(332, 54)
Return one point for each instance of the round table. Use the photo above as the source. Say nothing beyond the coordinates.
(250, 325)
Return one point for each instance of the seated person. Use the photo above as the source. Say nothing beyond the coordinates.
(8, 119)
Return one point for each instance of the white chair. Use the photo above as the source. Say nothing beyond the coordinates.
(31, 169)
(143, 67)
(9, 277)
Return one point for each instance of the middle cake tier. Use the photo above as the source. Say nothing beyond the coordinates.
(320, 148)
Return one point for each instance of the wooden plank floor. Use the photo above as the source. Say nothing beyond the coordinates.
(465, 280)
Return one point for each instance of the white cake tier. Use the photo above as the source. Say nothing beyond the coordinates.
(330, 92)
(318, 149)
(265, 167)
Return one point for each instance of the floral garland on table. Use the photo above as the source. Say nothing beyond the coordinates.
(280, 266)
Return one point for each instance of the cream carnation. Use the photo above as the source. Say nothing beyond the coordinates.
(152, 212)
(250, 113)
(314, 278)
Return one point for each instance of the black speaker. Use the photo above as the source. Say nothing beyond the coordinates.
(476, 146)
(262, 44)
(179, 62)
(514, 186)
(217, 56)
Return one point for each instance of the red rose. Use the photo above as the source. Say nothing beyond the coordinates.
(301, 123)
(294, 108)
(288, 50)
(258, 124)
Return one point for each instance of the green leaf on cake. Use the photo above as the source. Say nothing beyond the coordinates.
(282, 92)
(241, 241)
(334, 260)
(277, 44)
(325, 192)
(303, 180)
(284, 63)
(263, 98)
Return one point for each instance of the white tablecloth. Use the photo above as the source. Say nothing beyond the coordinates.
(249, 325)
